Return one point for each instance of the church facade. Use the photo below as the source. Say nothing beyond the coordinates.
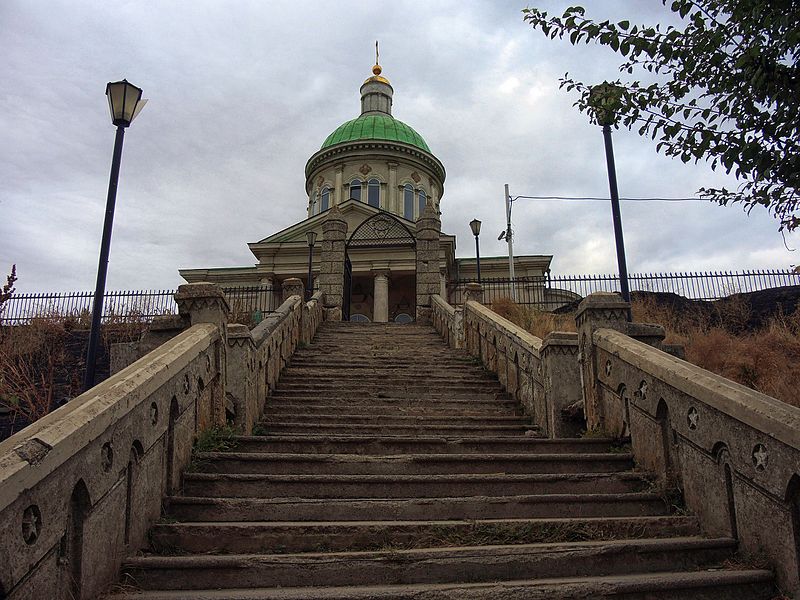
(378, 176)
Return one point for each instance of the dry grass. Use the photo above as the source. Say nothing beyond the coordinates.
(715, 337)
(538, 322)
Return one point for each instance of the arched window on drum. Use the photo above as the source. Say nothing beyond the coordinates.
(374, 193)
(422, 199)
(325, 199)
(408, 202)
(355, 190)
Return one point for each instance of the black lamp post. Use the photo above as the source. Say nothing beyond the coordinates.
(475, 225)
(605, 100)
(125, 102)
(312, 238)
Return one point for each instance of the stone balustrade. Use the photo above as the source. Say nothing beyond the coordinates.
(80, 487)
(734, 452)
(256, 358)
(448, 321)
(542, 375)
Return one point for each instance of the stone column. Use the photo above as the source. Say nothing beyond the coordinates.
(205, 303)
(443, 285)
(428, 230)
(601, 310)
(380, 311)
(331, 277)
(391, 200)
(474, 292)
(240, 385)
(338, 189)
(561, 381)
(292, 286)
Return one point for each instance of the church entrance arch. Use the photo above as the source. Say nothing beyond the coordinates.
(382, 237)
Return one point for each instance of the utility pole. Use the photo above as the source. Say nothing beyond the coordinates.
(509, 235)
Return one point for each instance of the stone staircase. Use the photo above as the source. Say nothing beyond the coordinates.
(390, 466)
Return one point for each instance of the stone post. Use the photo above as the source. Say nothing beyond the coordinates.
(205, 303)
(561, 380)
(428, 231)
(331, 277)
(292, 286)
(443, 285)
(380, 311)
(240, 386)
(601, 310)
(474, 292)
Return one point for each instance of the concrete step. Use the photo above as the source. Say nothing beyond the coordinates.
(318, 373)
(418, 365)
(430, 397)
(750, 584)
(261, 537)
(541, 506)
(391, 407)
(231, 462)
(403, 420)
(381, 445)
(402, 379)
(419, 385)
(450, 431)
(472, 564)
(247, 485)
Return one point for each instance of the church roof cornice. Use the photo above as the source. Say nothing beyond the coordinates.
(339, 152)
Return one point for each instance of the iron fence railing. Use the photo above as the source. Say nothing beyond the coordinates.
(127, 305)
(553, 291)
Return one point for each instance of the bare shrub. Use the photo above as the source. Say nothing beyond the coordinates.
(537, 322)
(30, 359)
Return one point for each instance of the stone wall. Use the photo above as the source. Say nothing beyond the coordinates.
(735, 453)
(542, 375)
(80, 488)
(256, 358)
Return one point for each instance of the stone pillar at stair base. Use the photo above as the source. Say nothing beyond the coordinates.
(240, 387)
(562, 381)
(601, 310)
(428, 283)
(205, 303)
(332, 258)
(292, 286)
(473, 292)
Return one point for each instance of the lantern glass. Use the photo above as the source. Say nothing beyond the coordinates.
(475, 225)
(311, 236)
(124, 102)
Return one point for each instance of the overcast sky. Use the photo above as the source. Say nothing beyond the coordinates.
(243, 93)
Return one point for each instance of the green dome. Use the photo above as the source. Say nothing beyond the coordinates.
(375, 127)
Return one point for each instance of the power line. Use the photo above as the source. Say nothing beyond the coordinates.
(607, 200)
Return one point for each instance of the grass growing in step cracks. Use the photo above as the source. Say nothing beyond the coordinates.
(216, 439)
(259, 430)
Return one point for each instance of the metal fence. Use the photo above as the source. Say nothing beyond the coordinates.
(129, 305)
(551, 292)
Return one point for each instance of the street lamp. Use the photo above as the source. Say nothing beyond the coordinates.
(475, 225)
(605, 101)
(311, 236)
(125, 102)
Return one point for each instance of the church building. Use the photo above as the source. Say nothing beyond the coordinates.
(378, 176)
